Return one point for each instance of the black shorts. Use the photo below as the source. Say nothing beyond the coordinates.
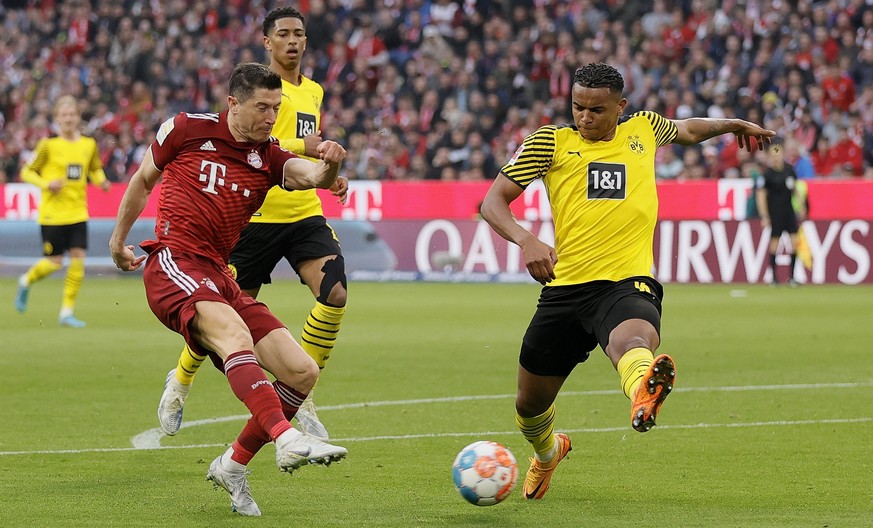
(782, 221)
(58, 239)
(571, 321)
(262, 246)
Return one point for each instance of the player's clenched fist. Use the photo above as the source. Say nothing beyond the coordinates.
(331, 152)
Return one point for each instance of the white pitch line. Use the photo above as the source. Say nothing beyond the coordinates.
(151, 438)
(450, 435)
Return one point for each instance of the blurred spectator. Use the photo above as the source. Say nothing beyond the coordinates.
(825, 159)
(668, 165)
(797, 157)
(421, 69)
(693, 167)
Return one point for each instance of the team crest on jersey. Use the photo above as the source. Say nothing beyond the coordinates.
(635, 145)
(255, 160)
(209, 284)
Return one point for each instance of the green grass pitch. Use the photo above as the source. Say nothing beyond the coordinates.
(770, 424)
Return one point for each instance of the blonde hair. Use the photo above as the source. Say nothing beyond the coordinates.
(65, 100)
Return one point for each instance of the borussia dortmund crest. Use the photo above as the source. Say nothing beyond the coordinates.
(635, 145)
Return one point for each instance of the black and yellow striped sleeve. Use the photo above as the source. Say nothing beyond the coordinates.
(664, 129)
(30, 173)
(533, 158)
(95, 168)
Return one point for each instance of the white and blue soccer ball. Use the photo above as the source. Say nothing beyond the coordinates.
(484, 473)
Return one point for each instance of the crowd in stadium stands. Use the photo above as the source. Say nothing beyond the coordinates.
(447, 89)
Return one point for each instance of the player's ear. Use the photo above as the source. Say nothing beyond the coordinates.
(621, 105)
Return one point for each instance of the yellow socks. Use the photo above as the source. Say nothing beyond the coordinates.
(189, 362)
(540, 432)
(631, 368)
(42, 269)
(320, 331)
(72, 285)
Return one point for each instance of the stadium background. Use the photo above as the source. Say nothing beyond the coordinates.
(425, 92)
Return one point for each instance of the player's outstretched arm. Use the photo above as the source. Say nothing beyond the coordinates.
(697, 129)
(132, 204)
(302, 174)
(539, 257)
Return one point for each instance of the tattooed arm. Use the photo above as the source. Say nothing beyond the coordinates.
(697, 129)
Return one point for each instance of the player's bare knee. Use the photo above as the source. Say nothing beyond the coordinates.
(337, 296)
(528, 408)
(301, 373)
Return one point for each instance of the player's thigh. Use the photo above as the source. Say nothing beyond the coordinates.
(255, 255)
(309, 244)
(180, 289)
(630, 316)
(219, 328)
(556, 340)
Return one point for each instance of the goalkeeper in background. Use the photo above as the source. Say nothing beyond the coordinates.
(289, 225)
(61, 167)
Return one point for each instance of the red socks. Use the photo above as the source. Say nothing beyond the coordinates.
(251, 386)
(291, 399)
(249, 442)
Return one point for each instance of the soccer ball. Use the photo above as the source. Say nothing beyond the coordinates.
(484, 473)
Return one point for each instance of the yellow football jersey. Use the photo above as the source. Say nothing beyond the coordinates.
(602, 193)
(299, 116)
(75, 162)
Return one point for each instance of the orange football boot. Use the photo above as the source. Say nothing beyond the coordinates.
(539, 476)
(653, 390)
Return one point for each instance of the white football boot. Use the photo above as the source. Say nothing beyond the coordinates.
(234, 481)
(172, 404)
(308, 422)
(295, 449)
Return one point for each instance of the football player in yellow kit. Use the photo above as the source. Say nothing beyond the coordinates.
(61, 167)
(598, 282)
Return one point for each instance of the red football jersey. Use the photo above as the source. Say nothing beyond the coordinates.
(211, 183)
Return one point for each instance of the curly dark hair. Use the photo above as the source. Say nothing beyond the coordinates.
(279, 13)
(599, 75)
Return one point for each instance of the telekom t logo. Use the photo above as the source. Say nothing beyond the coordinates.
(20, 201)
(365, 201)
(212, 174)
(733, 193)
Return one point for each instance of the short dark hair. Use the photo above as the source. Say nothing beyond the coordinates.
(249, 76)
(279, 13)
(599, 75)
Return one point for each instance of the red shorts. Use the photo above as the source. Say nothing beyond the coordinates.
(174, 282)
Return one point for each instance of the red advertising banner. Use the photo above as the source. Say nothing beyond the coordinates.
(724, 199)
(685, 251)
